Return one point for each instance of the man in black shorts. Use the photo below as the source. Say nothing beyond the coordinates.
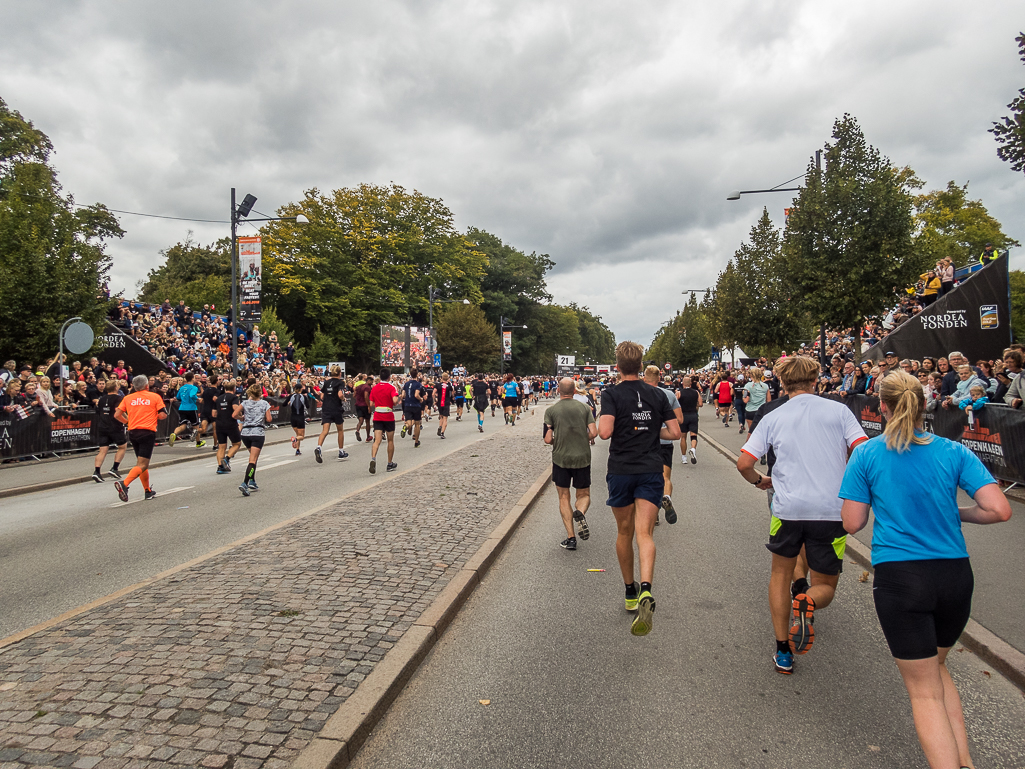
(690, 402)
(140, 410)
(359, 400)
(226, 427)
(653, 377)
(208, 392)
(110, 431)
(569, 429)
(480, 399)
(635, 417)
(494, 388)
(382, 399)
(331, 413)
(413, 396)
(444, 394)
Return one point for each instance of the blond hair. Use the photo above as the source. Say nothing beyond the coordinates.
(756, 374)
(652, 373)
(905, 398)
(628, 358)
(796, 372)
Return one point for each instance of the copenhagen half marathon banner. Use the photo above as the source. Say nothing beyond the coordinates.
(974, 319)
(997, 435)
(250, 255)
(114, 345)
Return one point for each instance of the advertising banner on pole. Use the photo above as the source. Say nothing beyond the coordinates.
(251, 280)
(507, 345)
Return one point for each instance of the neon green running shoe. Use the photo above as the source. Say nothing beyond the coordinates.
(645, 614)
(631, 597)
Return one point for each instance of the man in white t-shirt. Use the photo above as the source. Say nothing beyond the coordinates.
(812, 438)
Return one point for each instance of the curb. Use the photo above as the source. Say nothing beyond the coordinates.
(344, 733)
(988, 646)
(17, 491)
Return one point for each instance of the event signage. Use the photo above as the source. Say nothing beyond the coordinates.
(507, 345)
(406, 347)
(118, 345)
(250, 279)
(973, 318)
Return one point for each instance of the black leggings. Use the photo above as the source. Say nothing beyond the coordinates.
(923, 605)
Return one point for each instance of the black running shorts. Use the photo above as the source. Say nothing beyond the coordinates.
(580, 476)
(824, 542)
(689, 424)
(510, 403)
(228, 433)
(362, 412)
(253, 441)
(297, 422)
(332, 419)
(668, 451)
(481, 404)
(923, 605)
(411, 415)
(383, 426)
(143, 442)
(111, 435)
(188, 418)
(443, 411)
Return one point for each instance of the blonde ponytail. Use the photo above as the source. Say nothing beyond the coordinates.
(904, 397)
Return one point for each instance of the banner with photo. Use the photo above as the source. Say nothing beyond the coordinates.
(507, 345)
(393, 346)
(974, 319)
(250, 278)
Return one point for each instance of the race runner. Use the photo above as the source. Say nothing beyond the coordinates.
(111, 431)
(652, 377)
(254, 413)
(331, 413)
(443, 395)
(633, 419)
(359, 400)
(510, 404)
(690, 402)
(569, 429)
(140, 410)
(480, 399)
(382, 400)
(414, 395)
(226, 427)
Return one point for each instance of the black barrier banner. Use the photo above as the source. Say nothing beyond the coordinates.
(996, 435)
(117, 345)
(973, 318)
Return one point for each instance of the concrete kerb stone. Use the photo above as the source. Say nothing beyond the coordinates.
(346, 731)
(988, 646)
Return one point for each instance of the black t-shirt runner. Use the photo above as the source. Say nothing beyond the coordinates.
(480, 389)
(640, 411)
(105, 407)
(331, 392)
(410, 390)
(689, 398)
(209, 398)
(225, 405)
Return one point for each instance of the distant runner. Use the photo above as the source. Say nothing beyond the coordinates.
(140, 410)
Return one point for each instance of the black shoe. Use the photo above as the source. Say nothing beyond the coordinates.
(222, 470)
(581, 522)
(373, 465)
(151, 494)
(416, 445)
(97, 477)
(439, 431)
(480, 428)
(113, 474)
(667, 505)
(122, 491)
(569, 544)
(318, 455)
(442, 436)
(392, 466)
(799, 586)
(357, 436)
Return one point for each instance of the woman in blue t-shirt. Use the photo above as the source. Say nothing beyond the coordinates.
(511, 399)
(923, 582)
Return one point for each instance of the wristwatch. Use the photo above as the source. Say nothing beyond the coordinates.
(760, 479)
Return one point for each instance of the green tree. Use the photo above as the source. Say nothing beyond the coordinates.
(321, 351)
(552, 330)
(513, 281)
(466, 338)
(683, 341)
(951, 225)
(1010, 131)
(1018, 304)
(198, 274)
(597, 342)
(848, 241)
(52, 260)
(366, 258)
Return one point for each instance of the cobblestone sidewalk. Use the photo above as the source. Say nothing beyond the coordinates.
(238, 662)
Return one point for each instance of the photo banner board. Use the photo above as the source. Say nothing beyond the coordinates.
(507, 345)
(250, 278)
(973, 318)
(393, 346)
(401, 351)
(420, 354)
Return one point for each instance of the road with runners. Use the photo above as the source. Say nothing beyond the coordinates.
(999, 599)
(66, 546)
(540, 669)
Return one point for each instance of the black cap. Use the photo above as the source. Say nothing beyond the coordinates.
(888, 354)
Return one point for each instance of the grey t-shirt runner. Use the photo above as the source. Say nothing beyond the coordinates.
(674, 403)
(253, 419)
(571, 446)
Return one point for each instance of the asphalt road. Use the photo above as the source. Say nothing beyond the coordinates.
(65, 547)
(996, 552)
(547, 645)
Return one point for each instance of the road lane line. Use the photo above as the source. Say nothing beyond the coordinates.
(162, 493)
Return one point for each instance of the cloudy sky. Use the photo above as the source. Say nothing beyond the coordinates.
(606, 134)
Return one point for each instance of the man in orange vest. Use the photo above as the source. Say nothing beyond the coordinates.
(140, 410)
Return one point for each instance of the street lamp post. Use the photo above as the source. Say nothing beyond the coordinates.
(502, 326)
(238, 213)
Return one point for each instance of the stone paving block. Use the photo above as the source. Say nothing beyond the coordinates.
(222, 678)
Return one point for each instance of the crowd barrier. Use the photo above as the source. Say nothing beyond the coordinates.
(997, 435)
(77, 429)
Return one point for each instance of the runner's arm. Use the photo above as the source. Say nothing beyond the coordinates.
(855, 515)
(120, 416)
(592, 430)
(161, 414)
(606, 424)
(991, 506)
(746, 467)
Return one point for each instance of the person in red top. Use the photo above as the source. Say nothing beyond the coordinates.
(382, 399)
(359, 397)
(140, 410)
(725, 400)
(443, 397)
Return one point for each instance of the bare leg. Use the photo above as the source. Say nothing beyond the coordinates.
(583, 499)
(566, 509)
(391, 446)
(780, 600)
(943, 739)
(625, 542)
(644, 523)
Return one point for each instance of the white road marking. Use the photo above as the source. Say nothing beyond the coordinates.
(160, 493)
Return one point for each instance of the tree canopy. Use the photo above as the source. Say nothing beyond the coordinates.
(198, 274)
(53, 265)
(1009, 131)
(951, 225)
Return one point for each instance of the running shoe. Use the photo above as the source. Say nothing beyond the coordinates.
(645, 614)
(416, 445)
(459, 419)
(373, 465)
(122, 490)
(298, 453)
(252, 485)
(151, 494)
(221, 470)
(97, 477)
(784, 662)
(693, 456)
(480, 428)
(318, 455)
(581, 522)
(403, 433)
(798, 586)
(802, 634)
(569, 544)
(214, 447)
(200, 444)
(631, 597)
(113, 473)
(442, 436)
(439, 431)
(358, 438)
(227, 463)
(392, 466)
(171, 439)
(244, 489)
(343, 454)
(667, 505)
